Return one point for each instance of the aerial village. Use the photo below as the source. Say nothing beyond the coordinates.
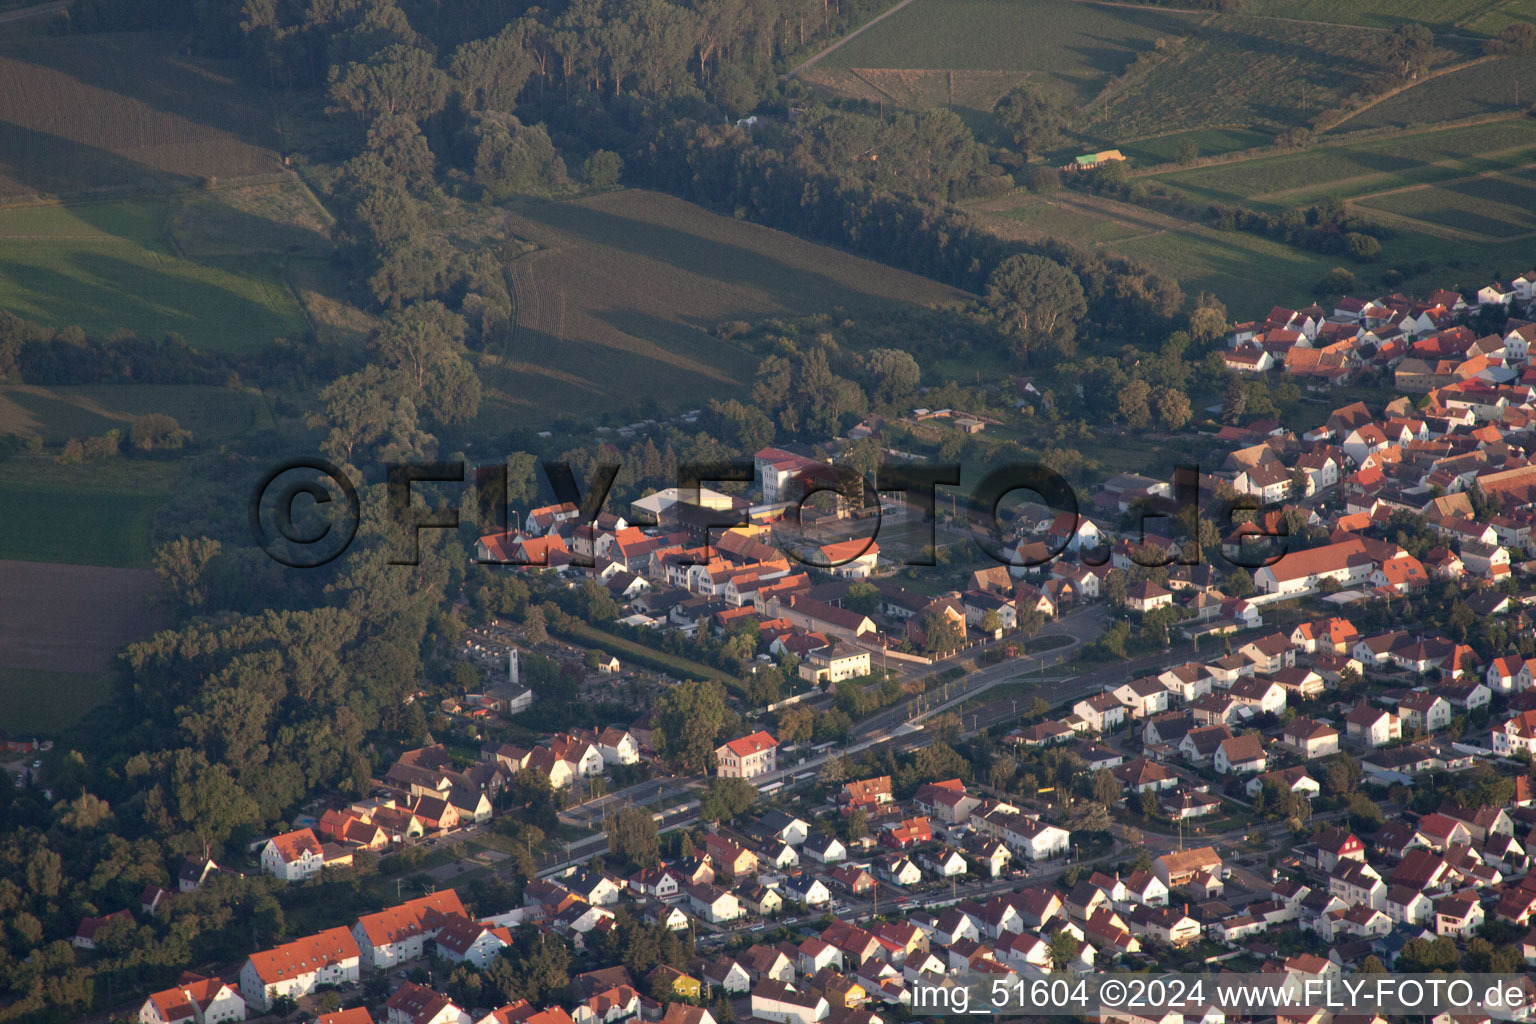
(1126, 754)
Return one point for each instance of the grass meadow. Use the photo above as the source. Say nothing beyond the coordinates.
(46, 703)
(105, 265)
(57, 414)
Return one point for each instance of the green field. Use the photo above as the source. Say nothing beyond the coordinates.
(1441, 15)
(1236, 70)
(89, 514)
(106, 266)
(1243, 270)
(59, 413)
(1350, 169)
(1079, 45)
(1483, 89)
(47, 703)
(1498, 207)
(55, 524)
(1208, 142)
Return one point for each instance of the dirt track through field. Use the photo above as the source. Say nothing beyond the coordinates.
(72, 618)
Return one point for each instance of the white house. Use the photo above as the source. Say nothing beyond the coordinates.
(618, 747)
(196, 999)
(1373, 726)
(1240, 755)
(462, 940)
(293, 856)
(1035, 840)
(778, 1001)
(296, 968)
(417, 1004)
(1103, 712)
(747, 757)
(400, 933)
(1142, 697)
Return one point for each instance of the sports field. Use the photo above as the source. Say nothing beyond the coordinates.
(106, 265)
(619, 302)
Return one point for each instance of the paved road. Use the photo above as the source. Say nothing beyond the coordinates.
(38, 11)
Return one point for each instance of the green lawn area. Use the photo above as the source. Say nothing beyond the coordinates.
(1079, 45)
(90, 514)
(1069, 222)
(48, 702)
(105, 266)
(60, 413)
(1208, 142)
(1344, 170)
(54, 524)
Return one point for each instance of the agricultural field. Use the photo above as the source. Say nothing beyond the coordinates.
(1486, 88)
(618, 302)
(1080, 46)
(1240, 269)
(1497, 206)
(74, 618)
(124, 110)
(57, 414)
(47, 703)
(59, 524)
(1349, 169)
(1440, 15)
(91, 514)
(1208, 142)
(1237, 70)
(279, 216)
(106, 265)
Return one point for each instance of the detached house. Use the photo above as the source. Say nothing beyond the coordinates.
(747, 757)
(1424, 711)
(194, 1000)
(293, 856)
(1372, 726)
(1103, 712)
(1240, 755)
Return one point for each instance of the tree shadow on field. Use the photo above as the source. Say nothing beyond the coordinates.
(50, 164)
(108, 290)
(791, 287)
(146, 67)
